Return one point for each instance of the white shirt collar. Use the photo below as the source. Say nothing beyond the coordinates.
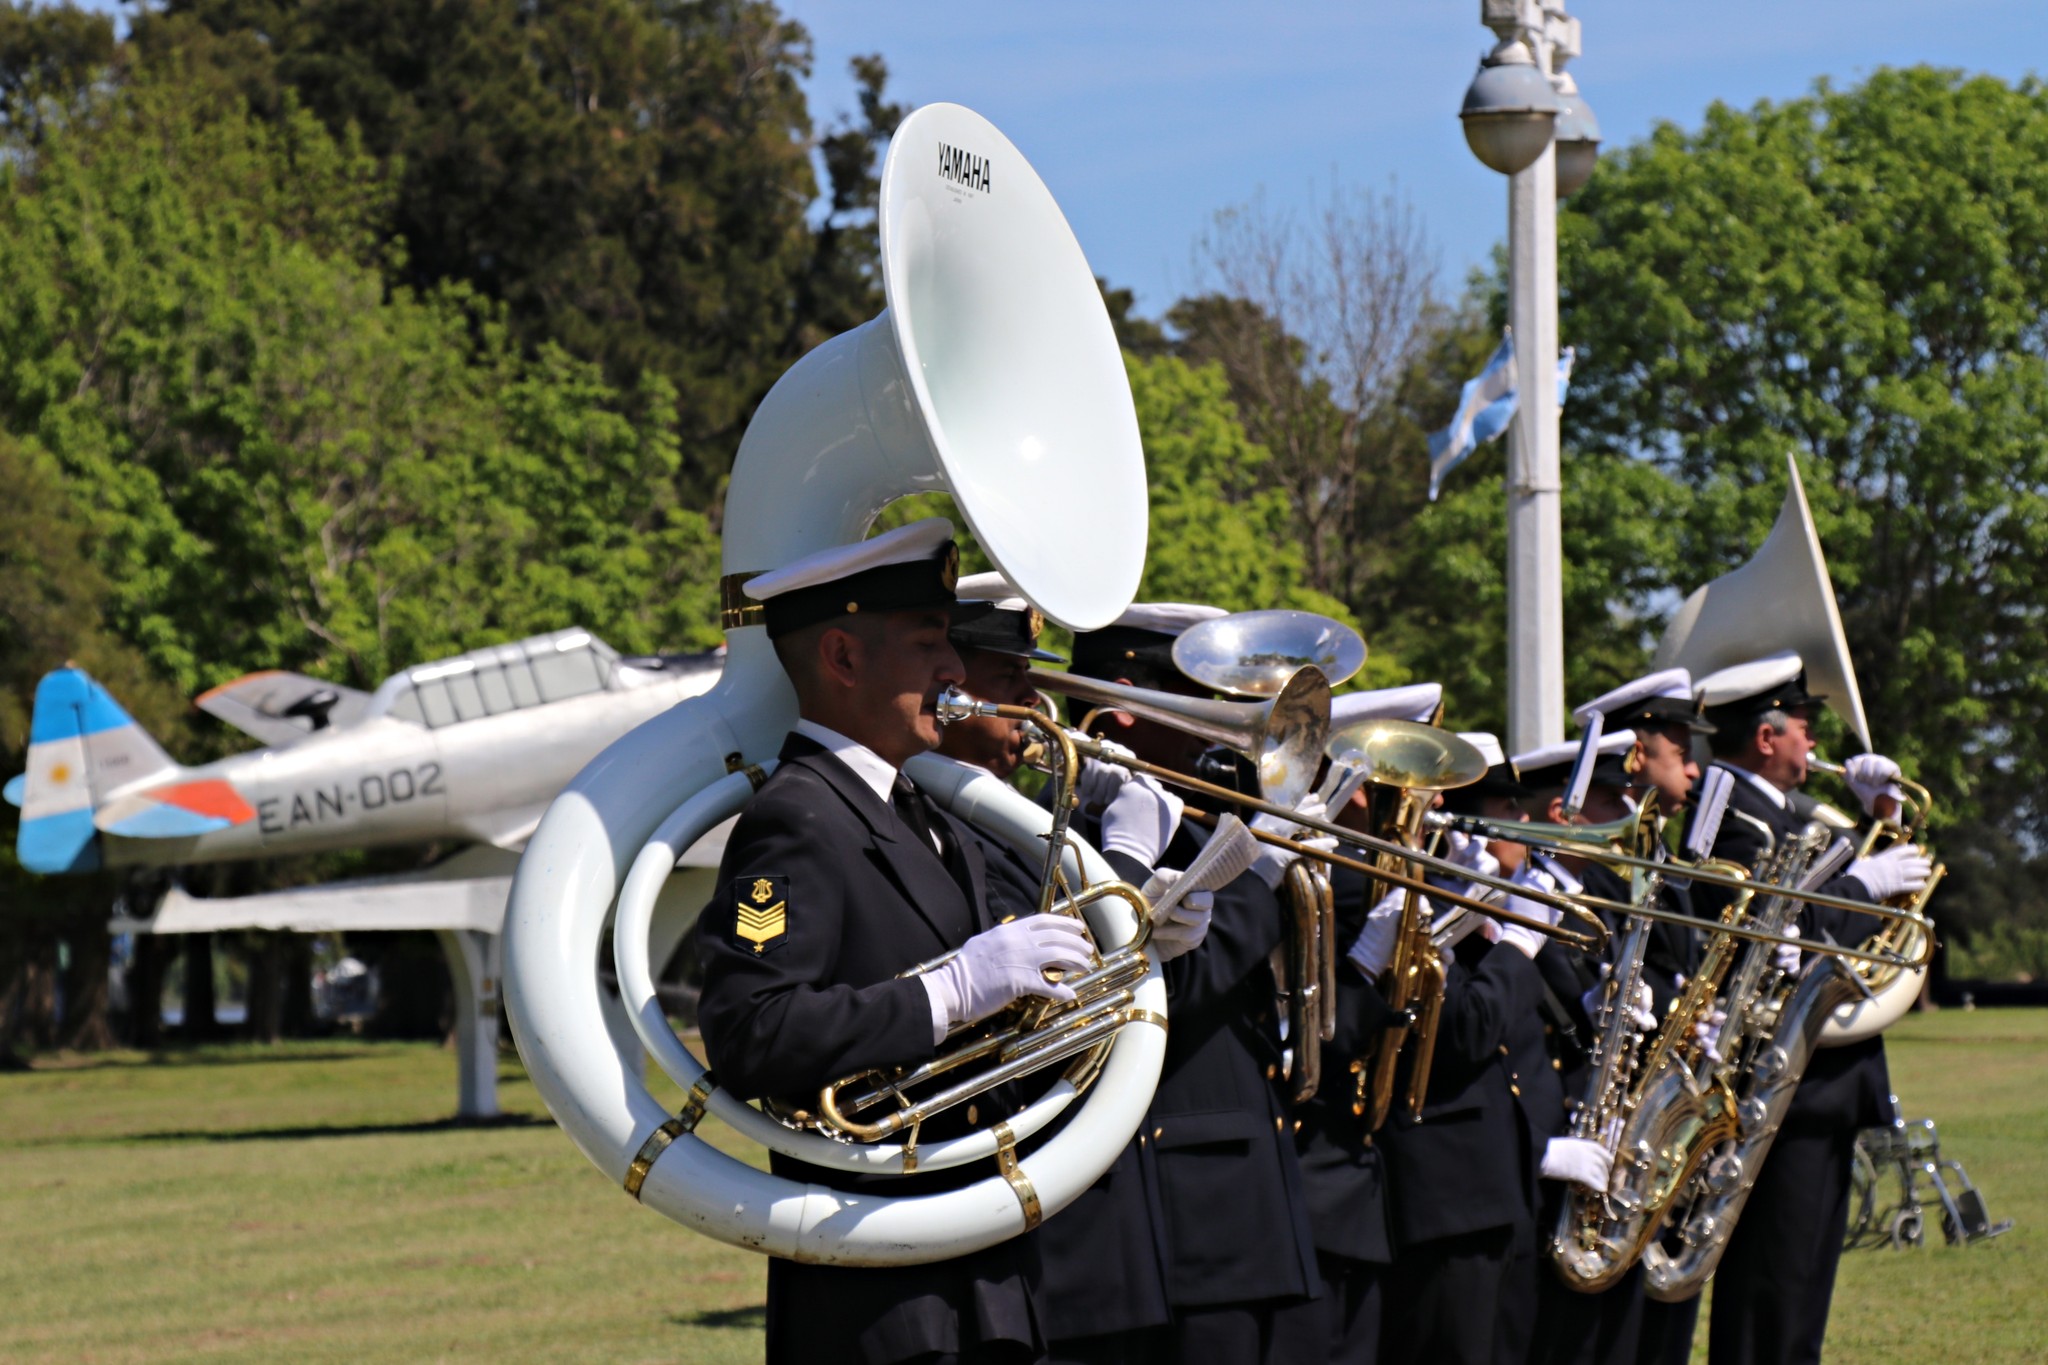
(1768, 788)
(867, 765)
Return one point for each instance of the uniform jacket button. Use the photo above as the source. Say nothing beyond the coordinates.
(1503, 1049)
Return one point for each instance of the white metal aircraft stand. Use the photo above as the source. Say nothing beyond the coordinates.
(461, 900)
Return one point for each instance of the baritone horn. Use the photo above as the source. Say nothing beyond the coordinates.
(1257, 654)
(1888, 991)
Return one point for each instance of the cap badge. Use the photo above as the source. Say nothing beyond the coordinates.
(949, 570)
(1034, 622)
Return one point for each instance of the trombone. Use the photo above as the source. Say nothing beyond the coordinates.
(1598, 843)
(1275, 736)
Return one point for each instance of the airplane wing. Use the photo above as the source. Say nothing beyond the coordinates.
(282, 708)
(466, 890)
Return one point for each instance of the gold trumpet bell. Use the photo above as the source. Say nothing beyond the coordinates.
(1400, 753)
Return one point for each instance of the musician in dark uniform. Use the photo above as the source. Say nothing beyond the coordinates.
(1205, 1217)
(1563, 1324)
(1665, 714)
(1665, 717)
(1116, 1221)
(1341, 1169)
(837, 877)
(1774, 1283)
(996, 636)
(1459, 1174)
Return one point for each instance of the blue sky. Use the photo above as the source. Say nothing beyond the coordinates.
(1146, 118)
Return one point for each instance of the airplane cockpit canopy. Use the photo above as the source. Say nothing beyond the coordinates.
(500, 678)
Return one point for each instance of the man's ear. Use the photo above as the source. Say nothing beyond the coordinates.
(1764, 740)
(1123, 719)
(839, 657)
(1554, 811)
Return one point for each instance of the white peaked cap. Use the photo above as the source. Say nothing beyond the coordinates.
(1166, 618)
(1739, 681)
(1417, 701)
(1550, 755)
(1487, 743)
(1667, 682)
(990, 587)
(904, 545)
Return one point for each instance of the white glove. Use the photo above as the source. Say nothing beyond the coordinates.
(1526, 939)
(1871, 776)
(1784, 956)
(1469, 851)
(1373, 949)
(1579, 1160)
(1141, 819)
(1894, 872)
(1708, 1032)
(1186, 923)
(999, 965)
(1643, 1011)
(1099, 784)
(1272, 862)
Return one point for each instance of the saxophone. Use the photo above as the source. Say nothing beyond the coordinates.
(1774, 1023)
(1660, 1121)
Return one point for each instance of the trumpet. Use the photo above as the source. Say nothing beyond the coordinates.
(1598, 843)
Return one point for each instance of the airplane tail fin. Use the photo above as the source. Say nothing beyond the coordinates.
(82, 747)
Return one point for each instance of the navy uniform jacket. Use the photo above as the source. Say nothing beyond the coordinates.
(861, 897)
(1465, 1165)
(1341, 1167)
(1846, 1087)
(1104, 1255)
(1206, 1206)
(1236, 1217)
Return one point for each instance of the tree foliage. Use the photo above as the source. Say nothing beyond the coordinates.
(1855, 278)
(285, 461)
(628, 178)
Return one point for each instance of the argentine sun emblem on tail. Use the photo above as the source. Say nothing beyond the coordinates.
(762, 910)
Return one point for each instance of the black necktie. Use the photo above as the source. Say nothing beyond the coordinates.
(911, 807)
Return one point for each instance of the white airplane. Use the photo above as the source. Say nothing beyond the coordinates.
(468, 750)
(471, 748)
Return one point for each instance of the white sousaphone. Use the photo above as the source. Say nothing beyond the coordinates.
(1785, 589)
(992, 375)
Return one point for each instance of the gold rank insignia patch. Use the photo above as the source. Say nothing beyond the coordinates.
(761, 910)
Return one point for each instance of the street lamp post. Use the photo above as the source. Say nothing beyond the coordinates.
(1516, 123)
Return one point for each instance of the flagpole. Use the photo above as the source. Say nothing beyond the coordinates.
(1519, 113)
(1535, 567)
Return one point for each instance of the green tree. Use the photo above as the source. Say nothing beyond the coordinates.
(285, 461)
(50, 613)
(629, 178)
(1217, 535)
(1855, 278)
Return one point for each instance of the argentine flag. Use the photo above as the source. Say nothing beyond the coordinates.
(1485, 407)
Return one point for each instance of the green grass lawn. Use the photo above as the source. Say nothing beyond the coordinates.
(308, 1201)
